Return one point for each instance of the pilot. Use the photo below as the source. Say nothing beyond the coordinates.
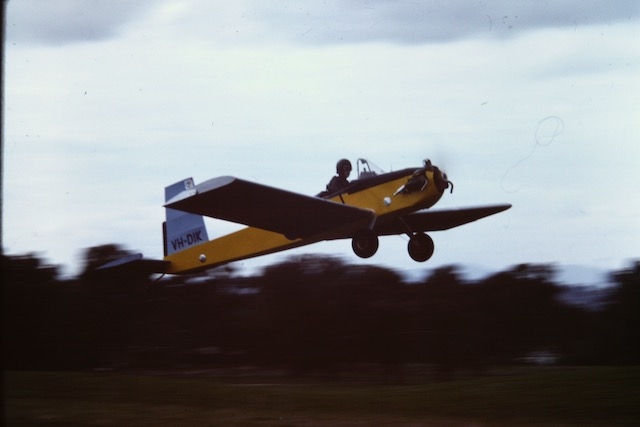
(339, 182)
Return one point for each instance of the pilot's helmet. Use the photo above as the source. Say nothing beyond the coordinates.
(342, 164)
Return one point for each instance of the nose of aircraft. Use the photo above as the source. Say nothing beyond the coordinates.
(441, 180)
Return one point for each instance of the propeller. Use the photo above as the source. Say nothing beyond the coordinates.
(444, 162)
(442, 180)
(418, 180)
(443, 159)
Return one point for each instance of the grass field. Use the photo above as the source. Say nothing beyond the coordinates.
(536, 396)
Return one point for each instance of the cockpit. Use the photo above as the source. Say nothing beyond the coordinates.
(366, 169)
(369, 175)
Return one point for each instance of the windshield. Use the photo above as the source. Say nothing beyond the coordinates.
(367, 169)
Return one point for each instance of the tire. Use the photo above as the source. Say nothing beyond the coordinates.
(420, 247)
(365, 244)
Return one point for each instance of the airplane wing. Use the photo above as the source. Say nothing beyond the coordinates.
(437, 219)
(292, 214)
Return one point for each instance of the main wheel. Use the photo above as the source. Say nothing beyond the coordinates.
(365, 244)
(420, 247)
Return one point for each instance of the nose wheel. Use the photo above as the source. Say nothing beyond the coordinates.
(420, 247)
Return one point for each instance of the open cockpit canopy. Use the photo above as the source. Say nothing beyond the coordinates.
(367, 169)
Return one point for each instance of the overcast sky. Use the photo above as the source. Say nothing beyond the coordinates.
(534, 103)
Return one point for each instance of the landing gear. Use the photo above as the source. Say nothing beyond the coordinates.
(420, 247)
(365, 244)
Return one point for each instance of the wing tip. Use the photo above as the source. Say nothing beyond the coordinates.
(215, 183)
(211, 184)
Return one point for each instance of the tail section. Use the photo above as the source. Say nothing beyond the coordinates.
(181, 229)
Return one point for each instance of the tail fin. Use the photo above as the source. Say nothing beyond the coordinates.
(181, 229)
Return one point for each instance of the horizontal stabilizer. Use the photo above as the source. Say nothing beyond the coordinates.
(137, 263)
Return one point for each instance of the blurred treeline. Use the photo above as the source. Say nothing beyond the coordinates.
(310, 314)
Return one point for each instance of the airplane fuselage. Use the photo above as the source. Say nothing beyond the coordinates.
(387, 196)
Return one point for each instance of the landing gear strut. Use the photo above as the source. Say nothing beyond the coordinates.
(420, 247)
(365, 244)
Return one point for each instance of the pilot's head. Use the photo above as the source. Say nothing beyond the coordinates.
(343, 168)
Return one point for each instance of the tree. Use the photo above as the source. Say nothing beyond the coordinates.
(111, 300)
(319, 313)
(446, 320)
(520, 311)
(621, 318)
(28, 293)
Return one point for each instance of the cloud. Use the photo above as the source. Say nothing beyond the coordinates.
(327, 22)
(415, 22)
(63, 22)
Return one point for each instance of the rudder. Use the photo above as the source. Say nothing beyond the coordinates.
(181, 230)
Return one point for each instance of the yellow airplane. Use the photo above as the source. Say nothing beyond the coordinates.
(375, 204)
